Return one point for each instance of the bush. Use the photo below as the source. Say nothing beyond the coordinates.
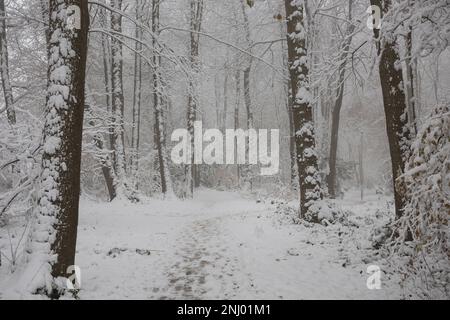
(426, 216)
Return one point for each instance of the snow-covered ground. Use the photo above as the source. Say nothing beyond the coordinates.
(222, 245)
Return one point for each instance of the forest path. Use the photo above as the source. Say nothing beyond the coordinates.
(219, 245)
(244, 253)
(208, 264)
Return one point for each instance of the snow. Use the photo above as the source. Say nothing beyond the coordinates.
(219, 245)
(303, 95)
(52, 144)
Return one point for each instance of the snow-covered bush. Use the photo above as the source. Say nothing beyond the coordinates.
(326, 212)
(427, 213)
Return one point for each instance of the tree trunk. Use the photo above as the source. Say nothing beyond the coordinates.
(361, 165)
(394, 107)
(4, 65)
(409, 85)
(118, 105)
(159, 134)
(289, 109)
(45, 17)
(105, 160)
(106, 168)
(308, 173)
(106, 54)
(247, 69)
(108, 161)
(135, 133)
(225, 101)
(217, 100)
(54, 234)
(335, 117)
(192, 170)
(236, 121)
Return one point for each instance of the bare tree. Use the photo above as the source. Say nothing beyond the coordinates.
(4, 66)
(137, 95)
(159, 134)
(247, 68)
(108, 159)
(118, 104)
(192, 170)
(335, 117)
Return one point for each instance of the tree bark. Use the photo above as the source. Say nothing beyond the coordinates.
(192, 170)
(307, 164)
(106, 54)
(4, 66)
(123, 188)
(409, 85)
(247, 69)
(335, 117)
(45, 17)
(57, 216)
(159, 133)
(105, 160)
(137, 97)
(236, 121)
(225, 101)
(289, 109)
(395, 107)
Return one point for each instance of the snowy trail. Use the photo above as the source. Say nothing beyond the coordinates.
(217, 246)
(200, 254)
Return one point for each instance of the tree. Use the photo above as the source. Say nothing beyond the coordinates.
(247, 69)
(159, 134)
(104, 157)
(192, 170)
(289, 109)
(426, 215)
(395, 108)
(4, 66)
(53, 238)
(118, 104)
(308, 173)
(137, 94)
(332, 178)
(107, 159)
(45, 17)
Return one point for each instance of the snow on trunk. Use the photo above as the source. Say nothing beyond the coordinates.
(4, 67)
(53, 236)
(308, 173)
(192, 170)
(124, 188)
(159, 135)
(395, 108)
(336, 113)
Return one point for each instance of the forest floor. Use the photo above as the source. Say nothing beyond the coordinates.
(222, 245)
